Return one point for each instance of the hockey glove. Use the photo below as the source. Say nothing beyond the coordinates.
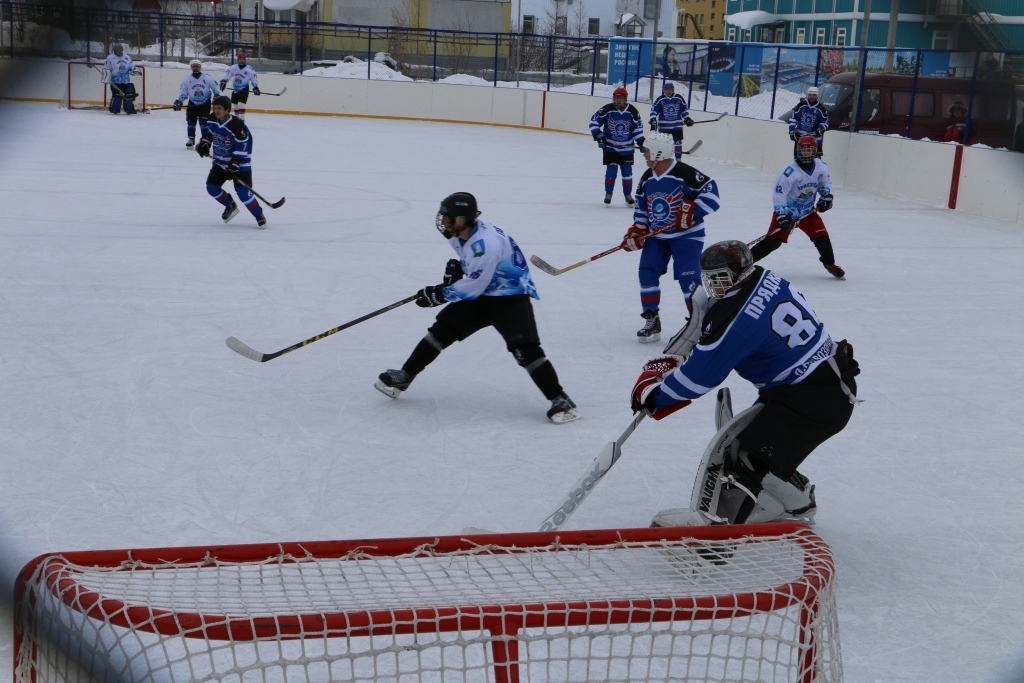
(223, 86)
(794, 135)
(203, 148)
(686, 217)
(784, 222)
(231, 170)
(688, 121)
(431, 296)
(824, 203)
(176, 106)
(644, 396)
(599, 139)
(453, 272)
(256, 90)
(634, 238)
(654, 126)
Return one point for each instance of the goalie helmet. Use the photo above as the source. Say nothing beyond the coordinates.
(806, 149)
(725, 265)
(661, 146)
(455, 205)
(118, 49)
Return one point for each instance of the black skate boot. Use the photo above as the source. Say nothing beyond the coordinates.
(836, 271)
(651, 331)
(230, 211)
(629, 200)
(563, 410)
(191, 143)
(608, 198)
(393, 382)
(262, 222)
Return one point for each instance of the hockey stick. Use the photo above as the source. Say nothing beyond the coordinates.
(694, 148)
(272, 94)
(273, 205)
(762, 237)
(252, 354)
(717, 118)
(582, 488)
(551, 270)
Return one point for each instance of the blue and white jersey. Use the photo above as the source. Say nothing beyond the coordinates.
(229, 141)
(659, 199)
(669, 112)
(765, 331)
(198, 88)
(809, 119)
(796, 190)
(119, 68)
(241, 77)
(622, 129)
(493, 263)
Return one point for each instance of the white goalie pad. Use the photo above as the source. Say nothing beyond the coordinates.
(684, 340)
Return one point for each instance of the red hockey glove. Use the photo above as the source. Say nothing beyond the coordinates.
(686, 217)
(634, 238)
(654, 373)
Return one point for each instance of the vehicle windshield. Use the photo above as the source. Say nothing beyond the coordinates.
(831, 94)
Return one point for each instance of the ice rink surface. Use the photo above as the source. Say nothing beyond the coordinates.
(126, 422)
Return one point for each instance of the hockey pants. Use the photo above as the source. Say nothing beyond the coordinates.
(684, 253)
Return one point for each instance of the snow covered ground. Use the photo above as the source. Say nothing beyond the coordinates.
(126, 422)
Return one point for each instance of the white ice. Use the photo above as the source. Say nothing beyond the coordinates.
(126, 422)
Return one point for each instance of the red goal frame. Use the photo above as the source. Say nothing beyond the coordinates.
(95, 103)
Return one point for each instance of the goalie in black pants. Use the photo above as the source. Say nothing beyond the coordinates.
(496, 294)
(755, 323)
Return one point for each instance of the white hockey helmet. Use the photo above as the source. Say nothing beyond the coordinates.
(194, 63)
(661, 146)
(812, 91)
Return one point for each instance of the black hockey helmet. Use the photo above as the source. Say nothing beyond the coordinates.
(118, 49)
(455, 205)
(724, 265)
(223, 101)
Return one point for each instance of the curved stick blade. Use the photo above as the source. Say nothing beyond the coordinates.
(244, 350)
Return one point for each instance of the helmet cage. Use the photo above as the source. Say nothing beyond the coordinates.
(806, 148)
(452, 207)
(731, 263)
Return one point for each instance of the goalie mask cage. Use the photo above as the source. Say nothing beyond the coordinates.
(728, 603)
(86, 89)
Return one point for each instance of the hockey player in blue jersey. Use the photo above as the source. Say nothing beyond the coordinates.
(240, 76)
(676, 196)
(228, 142)
(803, 191)
(617, 129)
(669, 114)
(489, 285)
(198, 89)
(119, 69)
(809, 118)
(754, 322)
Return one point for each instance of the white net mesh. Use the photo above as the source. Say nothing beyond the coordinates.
(743, 609)
(86, 87)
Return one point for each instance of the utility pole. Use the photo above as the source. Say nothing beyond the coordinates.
(862, 67)
(890, 41)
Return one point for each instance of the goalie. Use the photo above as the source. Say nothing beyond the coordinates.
(755, 323)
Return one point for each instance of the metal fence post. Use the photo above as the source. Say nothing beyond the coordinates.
(775, 85)
(593, 75)
(739, 78)
(434, 77)
(551, 58)
(693, 67)
(161, 38)
(497, 42)
(369, 51)
(859, 91)
(232, 49)
(913, 92)
(970, 102)
(817, 67)
(88, 34)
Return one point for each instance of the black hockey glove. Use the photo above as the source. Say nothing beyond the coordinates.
(654, 126)
(223, 85)
(453, 272)
(599, 138)
(431, 296)
(231, 170)
(824, 203)
(794, 135)
(256, 90)
(176, 106)
(203, 148)
(785, 222)
(688, 121)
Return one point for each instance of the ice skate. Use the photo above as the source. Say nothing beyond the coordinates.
(836, 271)
(629, 200)
(230, 211)
(651, 331)
(608, 198)
(262, 222)
(191, 143)
(393, 382)
(563, 410)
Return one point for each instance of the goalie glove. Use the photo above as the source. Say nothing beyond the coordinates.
(644, 396)
(634, 238)
(453, 272)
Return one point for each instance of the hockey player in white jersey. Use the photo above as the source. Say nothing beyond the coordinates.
(198, 89)
(119, 69)
(803, 191)
(239, 77)
(489, 285)
(756, 323)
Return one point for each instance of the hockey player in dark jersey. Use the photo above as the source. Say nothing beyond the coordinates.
(489, 285)
(229, 143)
(676, 196)
(669, 114)
(617, 129)
(756, 323)
(808, 118)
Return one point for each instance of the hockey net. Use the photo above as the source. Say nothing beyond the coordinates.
(86, 87)
(742, 603)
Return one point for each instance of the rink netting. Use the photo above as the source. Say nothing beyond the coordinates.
(740, 609)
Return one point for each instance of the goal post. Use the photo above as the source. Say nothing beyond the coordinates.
(728, 603)
(86, 87)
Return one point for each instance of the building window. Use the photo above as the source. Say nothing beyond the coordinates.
(801, 36)
(732, 33)
(841, 37)
(819, 36)
(940, 40)
(766, 34)
(561, 26)
(529, 23)
(780, 34)
(593, 27)
(746, 35)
